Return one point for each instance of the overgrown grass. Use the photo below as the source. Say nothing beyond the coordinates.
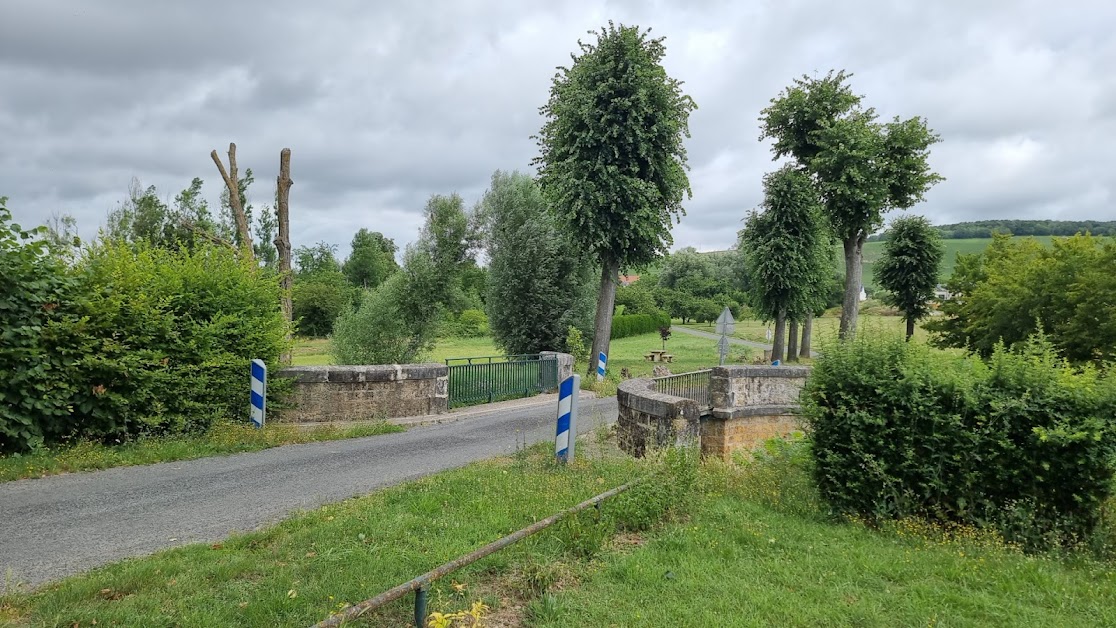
(749, 546)
(222, 438)
(298, 572)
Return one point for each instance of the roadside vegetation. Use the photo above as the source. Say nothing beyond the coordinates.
(746, 543)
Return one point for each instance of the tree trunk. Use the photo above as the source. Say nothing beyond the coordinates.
(606, 302)
(910, 327)
(778, 346)
(792, 342)
(807, 335)
(233, 185)
(283, 241)
(850, 308)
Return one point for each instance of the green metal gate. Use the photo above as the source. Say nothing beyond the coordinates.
(495, 378)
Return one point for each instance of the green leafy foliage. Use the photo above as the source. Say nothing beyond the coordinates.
(471, 324)
(538, 284)
(612, 163)
(627, 325)
(131, 340)
(320, 292)
(1017, 286)
(908, 269)
(372, 259)
(1022, 444)
(36, 300)
(861, 168)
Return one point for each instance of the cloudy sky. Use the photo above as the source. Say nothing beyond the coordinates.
(386, 103)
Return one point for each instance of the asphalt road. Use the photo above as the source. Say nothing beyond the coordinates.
(61, 525)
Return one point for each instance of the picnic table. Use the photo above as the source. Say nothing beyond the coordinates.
(656, 355)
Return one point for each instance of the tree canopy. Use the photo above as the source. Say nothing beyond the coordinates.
(862, 168)
(371, 260)
(908, 268)
(612, 163)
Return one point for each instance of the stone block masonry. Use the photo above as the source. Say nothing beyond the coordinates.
(355, 393)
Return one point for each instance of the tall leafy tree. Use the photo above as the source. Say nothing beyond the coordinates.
(320, 292)
(908, 268)
(785, 251)
(538, 283)
(862, 168)
(372, 259)
(612, 164)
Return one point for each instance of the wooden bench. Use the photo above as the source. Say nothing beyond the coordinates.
(667, 357)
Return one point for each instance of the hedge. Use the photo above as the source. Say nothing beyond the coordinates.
(627, 325)
(1022, 443)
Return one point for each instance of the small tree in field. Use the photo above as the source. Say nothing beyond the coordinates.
(612, 163)
(785, 251)
(908, 269)
(861, 168)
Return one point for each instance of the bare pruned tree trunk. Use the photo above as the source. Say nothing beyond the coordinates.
(283, 240)
(807, 335)
(233, 185)
(792, 342)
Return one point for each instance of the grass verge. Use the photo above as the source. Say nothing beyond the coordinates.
(222, 438)
(748, 545)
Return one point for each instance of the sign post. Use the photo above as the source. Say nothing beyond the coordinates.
(566, 434)
(602, 359)
(259, 392)
(725, 326)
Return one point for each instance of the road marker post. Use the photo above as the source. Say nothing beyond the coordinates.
(259, 392)
(566, 434)
(602, 359)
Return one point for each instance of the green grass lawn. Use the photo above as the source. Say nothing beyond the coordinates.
(223, 438)
(750, 547)
(825, 327)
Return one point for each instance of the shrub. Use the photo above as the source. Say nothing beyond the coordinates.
(1023, 443)
(36, 296)
(627, 325)
(471, 324)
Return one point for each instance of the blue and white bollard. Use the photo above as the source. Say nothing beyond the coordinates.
(567, 418)
(259, 392)
(601, 360)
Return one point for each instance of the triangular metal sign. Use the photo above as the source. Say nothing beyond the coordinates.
(723, 344)
(725, 324)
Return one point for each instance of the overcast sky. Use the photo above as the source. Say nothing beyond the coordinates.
(383, 106)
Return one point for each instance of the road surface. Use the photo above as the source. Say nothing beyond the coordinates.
(61, 525)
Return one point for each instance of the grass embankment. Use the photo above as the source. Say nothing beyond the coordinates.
(223, 438)
(751, 548)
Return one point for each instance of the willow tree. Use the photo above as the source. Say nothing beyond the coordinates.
(862, 168)
(612, 164)
(786, 252)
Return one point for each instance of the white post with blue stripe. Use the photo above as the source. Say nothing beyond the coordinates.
(259, 392)
(567, 418)
(602, 359)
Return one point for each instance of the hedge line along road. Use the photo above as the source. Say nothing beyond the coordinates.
(61, 525)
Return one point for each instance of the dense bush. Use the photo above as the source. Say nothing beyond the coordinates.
(129, 340)
(635, 324)
(1023, 443)
(36, 297)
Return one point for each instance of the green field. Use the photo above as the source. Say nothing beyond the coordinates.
(873, 251)
(825, 327)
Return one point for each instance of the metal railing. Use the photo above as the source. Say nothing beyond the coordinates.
(421, 584)
(693, 385)
(490, 378)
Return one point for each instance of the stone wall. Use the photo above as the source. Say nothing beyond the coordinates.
(750, 405)
(565, 363)
(652, 419)
(355, 393)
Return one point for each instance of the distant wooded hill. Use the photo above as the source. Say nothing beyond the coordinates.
(985, 228)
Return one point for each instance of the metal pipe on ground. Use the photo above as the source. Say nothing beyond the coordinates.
(419, 584)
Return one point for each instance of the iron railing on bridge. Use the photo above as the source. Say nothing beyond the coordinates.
(492, 378)
(693, 385)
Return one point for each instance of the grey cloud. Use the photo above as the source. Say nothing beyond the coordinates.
(384, 105)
